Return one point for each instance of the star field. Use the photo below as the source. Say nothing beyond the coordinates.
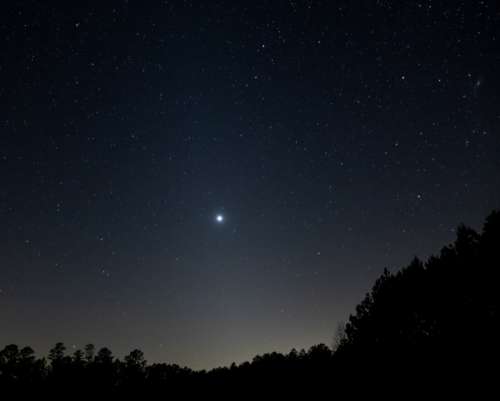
(211, 180)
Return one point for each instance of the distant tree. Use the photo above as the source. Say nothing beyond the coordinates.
(104, 356)
(21, 374)
(27, 355)
(133, 371)
(105, 371)
(135, 359)
(78, 367)
(56, 354)
(339, 337)
(31, 370)
(89, 352)
(10, 354)
(9, 358)
(78, 357)
(293, 355)
(319, 352)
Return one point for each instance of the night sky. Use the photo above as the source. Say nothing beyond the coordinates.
(332, 139)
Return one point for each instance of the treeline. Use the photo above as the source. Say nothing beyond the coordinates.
(447, 307)
(99, 371)
(424, 320)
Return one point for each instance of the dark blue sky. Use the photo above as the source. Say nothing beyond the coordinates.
(336, 139)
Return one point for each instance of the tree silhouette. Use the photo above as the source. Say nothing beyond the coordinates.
(89, 353)
(133, 371)
(417, 317)
(56, 354)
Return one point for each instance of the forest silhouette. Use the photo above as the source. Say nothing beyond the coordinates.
(425, 322)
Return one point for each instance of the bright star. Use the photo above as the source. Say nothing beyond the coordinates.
(219, 218)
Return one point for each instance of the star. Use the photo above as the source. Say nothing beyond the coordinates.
(219, 218)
